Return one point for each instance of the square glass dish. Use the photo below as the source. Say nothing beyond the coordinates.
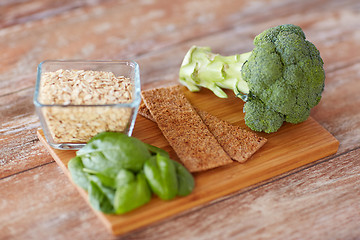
(75, 100)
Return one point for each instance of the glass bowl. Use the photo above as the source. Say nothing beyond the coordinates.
(75, 100)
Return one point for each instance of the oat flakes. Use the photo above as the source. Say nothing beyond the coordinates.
(68, 123)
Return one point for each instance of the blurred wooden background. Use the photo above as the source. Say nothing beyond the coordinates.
(319, 201)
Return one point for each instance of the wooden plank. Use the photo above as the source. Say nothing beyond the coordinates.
(20, 147)
(336, 112)
(291, 147)
(41, 203)
(318, 201)
(19, 12)
(99, 32)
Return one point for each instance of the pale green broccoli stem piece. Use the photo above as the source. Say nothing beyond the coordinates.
(202, 68)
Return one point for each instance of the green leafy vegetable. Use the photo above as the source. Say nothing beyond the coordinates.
(120, 173)
(124, 177)
(133, 194)
(186, 181)
(80, 177)
(161, 175)
(100, 197)
(114, 150)
(107, 178)
(281, 79)
(156, 150)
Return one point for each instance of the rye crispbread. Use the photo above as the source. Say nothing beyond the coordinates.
(237, 142)
(195, 145)
(145, 112)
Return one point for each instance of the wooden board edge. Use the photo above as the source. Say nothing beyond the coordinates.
(64, 168)
(118, 228)
(197, 201)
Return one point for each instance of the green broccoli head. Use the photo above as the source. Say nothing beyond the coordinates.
(259, 117)
(285, 72)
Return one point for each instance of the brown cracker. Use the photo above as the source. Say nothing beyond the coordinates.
(185, 131)
(237, 142)
(145, 112)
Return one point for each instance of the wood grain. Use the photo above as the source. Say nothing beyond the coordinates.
(302, 205)
(291, 147)
(159, 63)
(39, 203)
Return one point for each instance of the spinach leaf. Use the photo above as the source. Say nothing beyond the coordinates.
(107, 177)
(101, 197)
(161, 175)
(132, 195)
(123, 178)
(186, 182)
(97, 162)
(156, 150)
(120, 173)
(114, 150)
(79, 177)
(110, 179)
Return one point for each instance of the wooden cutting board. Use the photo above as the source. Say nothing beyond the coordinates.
(291, 147)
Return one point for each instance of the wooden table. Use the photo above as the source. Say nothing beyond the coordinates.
(318, 201)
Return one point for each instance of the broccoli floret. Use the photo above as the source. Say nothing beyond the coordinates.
(260, 118)
(281, 79)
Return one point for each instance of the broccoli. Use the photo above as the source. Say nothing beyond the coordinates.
(281, 79)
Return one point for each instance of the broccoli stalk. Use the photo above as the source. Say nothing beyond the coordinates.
(281, 79)
(202, 68)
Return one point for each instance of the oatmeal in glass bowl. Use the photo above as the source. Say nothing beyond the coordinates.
(75, 100)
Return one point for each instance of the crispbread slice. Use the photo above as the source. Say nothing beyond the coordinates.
(145, 112)
(237, 142)
(185, 131)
